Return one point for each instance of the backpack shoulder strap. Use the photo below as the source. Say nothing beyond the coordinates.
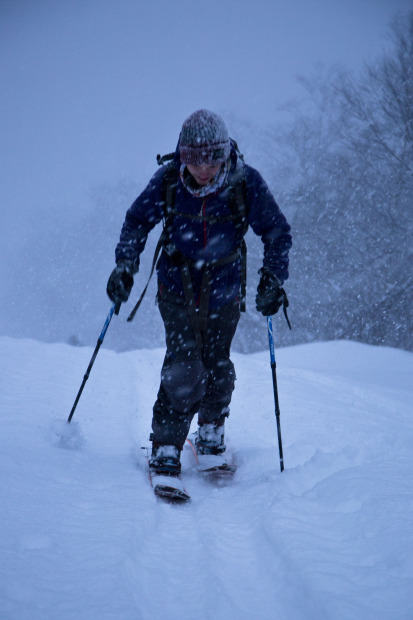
(239, 208)
(238, 197)
(170, 181)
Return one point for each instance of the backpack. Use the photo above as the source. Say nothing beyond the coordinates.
(239, 215)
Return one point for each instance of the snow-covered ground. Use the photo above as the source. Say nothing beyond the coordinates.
(83, 537)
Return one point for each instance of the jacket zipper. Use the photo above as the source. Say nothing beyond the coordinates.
(205, 239)
(205, 224)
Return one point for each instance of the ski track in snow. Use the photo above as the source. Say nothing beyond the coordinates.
(83, 536)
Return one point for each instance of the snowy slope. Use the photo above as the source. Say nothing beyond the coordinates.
(83, 537)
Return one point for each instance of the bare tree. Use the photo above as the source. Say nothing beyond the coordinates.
(349, 164)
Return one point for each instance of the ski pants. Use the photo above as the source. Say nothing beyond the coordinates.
(192, 380)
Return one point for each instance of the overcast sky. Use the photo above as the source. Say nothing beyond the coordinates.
(91, 90)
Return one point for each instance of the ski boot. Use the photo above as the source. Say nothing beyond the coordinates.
(165, 460)
(210, 439)
(210, 446)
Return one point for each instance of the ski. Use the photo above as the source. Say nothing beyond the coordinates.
(169, 488)
(166, 486)
(213, 465)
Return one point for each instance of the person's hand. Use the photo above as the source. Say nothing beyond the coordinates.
(270, 294)
(120, 282)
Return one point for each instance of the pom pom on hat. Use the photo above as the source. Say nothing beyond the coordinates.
(204, 139)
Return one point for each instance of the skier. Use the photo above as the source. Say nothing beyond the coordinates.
(207, 197)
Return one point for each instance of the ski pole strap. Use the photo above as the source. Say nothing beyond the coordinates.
(155, 258)
(285, 306)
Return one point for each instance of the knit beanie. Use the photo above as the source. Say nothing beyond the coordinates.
(204, 139)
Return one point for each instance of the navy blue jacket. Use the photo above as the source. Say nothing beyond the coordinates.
(203, 241)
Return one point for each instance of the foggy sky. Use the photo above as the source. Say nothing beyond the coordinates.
(93, 89)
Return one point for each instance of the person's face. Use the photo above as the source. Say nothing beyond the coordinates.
(203, 173)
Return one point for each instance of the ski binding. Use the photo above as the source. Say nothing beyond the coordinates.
(214, 464)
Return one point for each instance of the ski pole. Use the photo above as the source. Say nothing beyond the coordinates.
(114, 309)
(274, 382)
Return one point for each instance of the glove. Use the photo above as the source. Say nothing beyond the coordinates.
(270, 295)
(121, 281)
